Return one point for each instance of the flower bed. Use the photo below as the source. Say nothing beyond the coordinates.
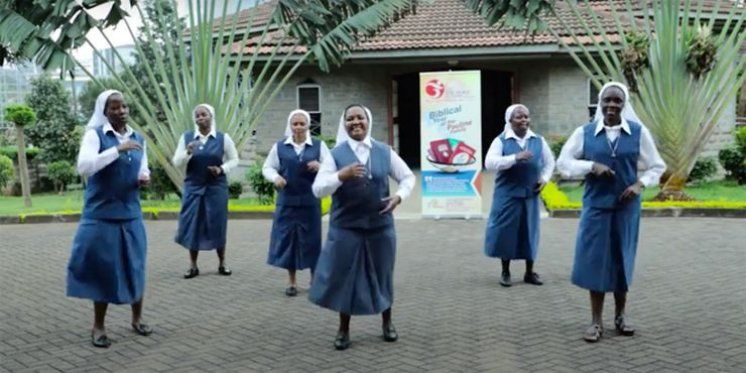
(556, 199)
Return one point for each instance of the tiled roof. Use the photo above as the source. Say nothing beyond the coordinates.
(445, 24)
(260, 17)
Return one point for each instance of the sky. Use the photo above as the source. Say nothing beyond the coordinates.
(119, 35)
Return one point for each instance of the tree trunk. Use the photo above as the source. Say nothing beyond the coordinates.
(673, 189)
(23, 167)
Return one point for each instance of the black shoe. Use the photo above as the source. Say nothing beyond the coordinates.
(102, 341)
(342, 341)
(389, 333)
(505, 279)
(224, 270)
(142, 329)
(192, 273)
(532, 278)
(291, 291)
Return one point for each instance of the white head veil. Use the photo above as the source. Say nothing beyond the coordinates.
(509, 114)
(98, 118)
(628, 113)
(288, 128)
(342, 131)
(210, 109)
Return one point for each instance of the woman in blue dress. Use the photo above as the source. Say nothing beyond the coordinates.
(292, 165)
(524, 164)
(208, 156)
(354, 274)
(608, 152)
(107, 263)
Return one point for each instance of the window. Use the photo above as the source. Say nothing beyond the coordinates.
(592, 98)
(309, 99)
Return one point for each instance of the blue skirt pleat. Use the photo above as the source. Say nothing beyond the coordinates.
(203, 219)
(295, 241)
(107, 263)
(354, 274)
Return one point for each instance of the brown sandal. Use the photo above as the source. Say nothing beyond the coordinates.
(593, 333)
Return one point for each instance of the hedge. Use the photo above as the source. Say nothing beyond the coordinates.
(555, 199)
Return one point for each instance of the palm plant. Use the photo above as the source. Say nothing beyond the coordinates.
(211, 64)
(684, 77)
(226, 61)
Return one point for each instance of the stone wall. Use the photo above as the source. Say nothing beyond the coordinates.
(554, 88)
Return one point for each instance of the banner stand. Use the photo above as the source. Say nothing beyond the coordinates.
(451, 144)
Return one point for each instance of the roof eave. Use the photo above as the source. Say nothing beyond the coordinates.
(498, 52)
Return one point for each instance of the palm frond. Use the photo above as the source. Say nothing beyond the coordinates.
(680, 108)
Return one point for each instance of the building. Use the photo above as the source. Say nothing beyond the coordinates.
(107, 59)
(15, 84)
(445, 35)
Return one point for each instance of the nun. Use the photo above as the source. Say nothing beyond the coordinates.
(608, 153)
(354, 274)
(208, 156)
(523, 163)
(292, 165)
(107, 262)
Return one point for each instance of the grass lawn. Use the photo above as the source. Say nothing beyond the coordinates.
(723, 190)
(72, 202)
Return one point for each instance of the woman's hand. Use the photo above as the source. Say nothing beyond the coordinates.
(352, 171)
(215, 170)
(280, 182)
(391, 203)
(599, 169)
(539, 186)
(313, 166)
(190, 147)
(524, 155)
(143, 181)
(632, 191)
(129, 145)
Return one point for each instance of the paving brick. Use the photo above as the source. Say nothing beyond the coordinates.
(450, 312)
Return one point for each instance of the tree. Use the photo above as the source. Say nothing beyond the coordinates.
(44, 30)
(22, 116)
(54, 132)
(209, 64)
(6, 171)
(168, 26)
(682, 76)
(62, 173)
(91, 90)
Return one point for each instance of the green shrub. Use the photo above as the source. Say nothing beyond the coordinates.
(235, 189)
(160, 184)
(741, 139)
(733, 159)
(12, 152)
(329, 140)
(62, 173)
(556, 143)
(6, 171)
(20, 115)
(264, 189)
(704, 168)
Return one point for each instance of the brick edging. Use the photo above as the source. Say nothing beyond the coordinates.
(167, 215)
(670, 212)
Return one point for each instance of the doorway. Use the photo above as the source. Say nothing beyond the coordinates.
(497, 95)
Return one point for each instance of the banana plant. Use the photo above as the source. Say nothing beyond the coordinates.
(682, 75)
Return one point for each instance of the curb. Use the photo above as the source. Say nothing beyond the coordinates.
(166, 215)
(671, 212)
